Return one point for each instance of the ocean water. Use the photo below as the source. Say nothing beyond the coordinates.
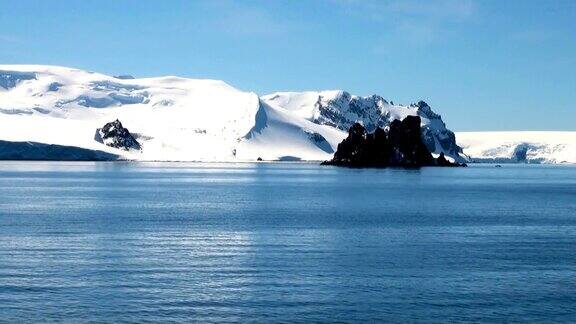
(286, 242)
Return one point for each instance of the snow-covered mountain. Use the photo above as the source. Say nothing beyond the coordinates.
(528, 147)
(172, 118)
(179, 119)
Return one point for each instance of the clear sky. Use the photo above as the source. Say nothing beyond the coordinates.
(483, 65)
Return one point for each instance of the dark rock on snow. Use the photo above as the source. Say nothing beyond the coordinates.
(400, 146)
(441, 161)
(115, 135)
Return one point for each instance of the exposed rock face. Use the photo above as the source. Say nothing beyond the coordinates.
(115, 135)
(343, 110)
(54, 86)
(400, 146)
(435, 135)
(520, 152)
(441, 161)
(319, 141)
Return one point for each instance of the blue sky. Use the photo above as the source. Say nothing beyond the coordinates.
(483, 65)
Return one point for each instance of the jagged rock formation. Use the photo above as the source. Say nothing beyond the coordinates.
(341, 110)
(400, 146)
(115, 135)
(435, 135)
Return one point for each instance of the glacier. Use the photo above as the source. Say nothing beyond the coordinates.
(180, 119)
(519, 146)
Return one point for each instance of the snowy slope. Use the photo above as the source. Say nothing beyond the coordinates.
(308, 141)
(341, 110)
(531, 147)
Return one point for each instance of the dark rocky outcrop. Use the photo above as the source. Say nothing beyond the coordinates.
(400, 146)
(54, 86)
(343, 110)
(521, 152)
(441, 161)
(115, 135)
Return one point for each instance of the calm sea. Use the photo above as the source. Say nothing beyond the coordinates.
(137, 242)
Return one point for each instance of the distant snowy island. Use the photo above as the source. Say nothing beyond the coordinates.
(519, 146)
(50, 112)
